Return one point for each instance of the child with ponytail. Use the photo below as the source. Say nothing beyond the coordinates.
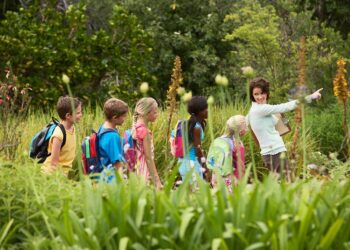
(194, 158)
(145, 112)
(232, 169)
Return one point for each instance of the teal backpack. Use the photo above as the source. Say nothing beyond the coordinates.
(219, 157)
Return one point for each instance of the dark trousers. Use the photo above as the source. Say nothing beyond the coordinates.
(275, 164)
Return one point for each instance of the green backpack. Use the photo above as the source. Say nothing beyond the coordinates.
(220, 156)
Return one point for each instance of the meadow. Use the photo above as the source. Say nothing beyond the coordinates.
(50, 212)
(98, 49)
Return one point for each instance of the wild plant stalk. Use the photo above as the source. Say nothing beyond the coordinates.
(175, 83)
(340, 89)
(210, 118)
(299, 112)
(251, 146)
(66, 80)
(304, 139)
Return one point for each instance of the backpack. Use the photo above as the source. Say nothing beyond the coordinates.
(129, 150)
(40, 142)
(89, 148)
(220, 156)
(177, 140)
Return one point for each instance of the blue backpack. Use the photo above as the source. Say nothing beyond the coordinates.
(40, 142)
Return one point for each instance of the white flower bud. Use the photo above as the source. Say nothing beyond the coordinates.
(248, 71)
(144, 87)
(187, 96)
(65, 79)
(210, 100)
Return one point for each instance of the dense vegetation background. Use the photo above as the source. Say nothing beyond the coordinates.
(109, 47)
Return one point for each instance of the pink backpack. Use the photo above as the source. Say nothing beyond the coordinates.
(176, 140)
(129, 146)
(129, 150)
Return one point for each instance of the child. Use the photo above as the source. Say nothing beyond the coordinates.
(194, 157)
(145, 111)
(110, 148)
(62, 158)
(236, 127)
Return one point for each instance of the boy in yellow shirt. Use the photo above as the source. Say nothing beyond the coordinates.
(62, 158)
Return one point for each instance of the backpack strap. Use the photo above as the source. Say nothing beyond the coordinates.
(229, 141)
(63, 129)
(105, 131)
(64, 134)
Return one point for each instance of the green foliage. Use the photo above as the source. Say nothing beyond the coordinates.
(326, 127)
(40, 211)
(105, 50)
(257, 36)
(14, 104)
(332, 12)
(192, 30)
(41, 43)
(267, 38)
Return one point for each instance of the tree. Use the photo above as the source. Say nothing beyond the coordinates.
(41, 43)
(193, 30)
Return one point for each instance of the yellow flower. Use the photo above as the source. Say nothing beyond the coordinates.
(340, 86)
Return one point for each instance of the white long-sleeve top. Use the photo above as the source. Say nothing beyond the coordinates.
(262, 121)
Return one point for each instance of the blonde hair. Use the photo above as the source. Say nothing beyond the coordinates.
(114, 107)
(234, 126)
(143, 107)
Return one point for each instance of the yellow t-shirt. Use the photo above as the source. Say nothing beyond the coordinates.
(67, 152)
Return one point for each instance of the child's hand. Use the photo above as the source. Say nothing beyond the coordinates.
(207, 174)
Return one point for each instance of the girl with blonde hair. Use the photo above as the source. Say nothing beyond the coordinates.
(230, 169)
(145, 111)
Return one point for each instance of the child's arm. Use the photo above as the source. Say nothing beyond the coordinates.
(119, 167)
(199, 152)
(150, 162)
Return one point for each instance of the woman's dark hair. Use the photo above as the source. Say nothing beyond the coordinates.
(196, 105)
(261, 83)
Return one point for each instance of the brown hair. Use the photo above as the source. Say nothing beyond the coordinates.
(114, 107)
(64, 106)
(261, 83)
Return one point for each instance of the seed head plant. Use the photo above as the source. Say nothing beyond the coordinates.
(300, 93)
(341, 92)
(174, 87)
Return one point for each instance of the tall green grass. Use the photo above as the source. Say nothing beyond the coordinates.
(49, 212)
(93, 118)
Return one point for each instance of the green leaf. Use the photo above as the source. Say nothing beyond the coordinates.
(185, 221)
(140, 211)
(123, 243)
(331, 234)
(218, 243)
